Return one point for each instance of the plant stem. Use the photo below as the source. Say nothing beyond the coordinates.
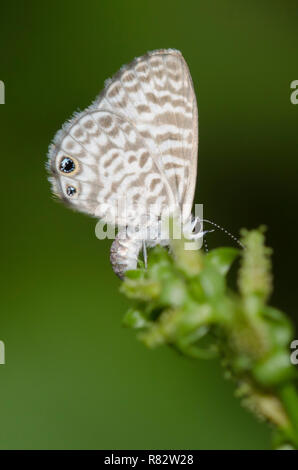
(183, 299)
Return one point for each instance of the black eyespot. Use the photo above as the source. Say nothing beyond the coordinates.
(70, 190)
(67, 165)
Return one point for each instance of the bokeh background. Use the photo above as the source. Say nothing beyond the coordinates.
(74, 377)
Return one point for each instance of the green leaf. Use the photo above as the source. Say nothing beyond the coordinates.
(213, 283)
(280, 327)
(134, 274)
(173, 293)
(222, 258)
(160, 264)
(135, 319)
(141, 289)
(199, 344)
(274, 370)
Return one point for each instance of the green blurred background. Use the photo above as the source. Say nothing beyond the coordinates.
(74, 377)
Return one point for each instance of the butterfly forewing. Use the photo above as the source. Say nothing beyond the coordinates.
(156, 92)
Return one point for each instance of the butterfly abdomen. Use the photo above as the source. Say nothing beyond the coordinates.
(124, 253)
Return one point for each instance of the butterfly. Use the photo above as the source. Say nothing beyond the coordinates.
(133, 149)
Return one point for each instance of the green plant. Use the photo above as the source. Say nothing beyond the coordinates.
(183, 299)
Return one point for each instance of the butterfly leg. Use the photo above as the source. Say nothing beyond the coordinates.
(145, 254)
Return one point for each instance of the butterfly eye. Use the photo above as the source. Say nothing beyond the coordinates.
(67, 165)
(70, 191)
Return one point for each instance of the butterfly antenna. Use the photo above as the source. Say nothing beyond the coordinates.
(225, 231)
(205, 245)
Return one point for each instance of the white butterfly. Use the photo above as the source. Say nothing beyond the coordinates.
(135, 147)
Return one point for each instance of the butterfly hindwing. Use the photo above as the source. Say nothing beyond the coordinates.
(112, 167)
(137, 143)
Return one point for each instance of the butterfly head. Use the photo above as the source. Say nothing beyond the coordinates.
(63, 168)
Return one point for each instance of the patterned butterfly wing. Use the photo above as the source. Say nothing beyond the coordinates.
(136, 143)
(99, 162)
(156, 93)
